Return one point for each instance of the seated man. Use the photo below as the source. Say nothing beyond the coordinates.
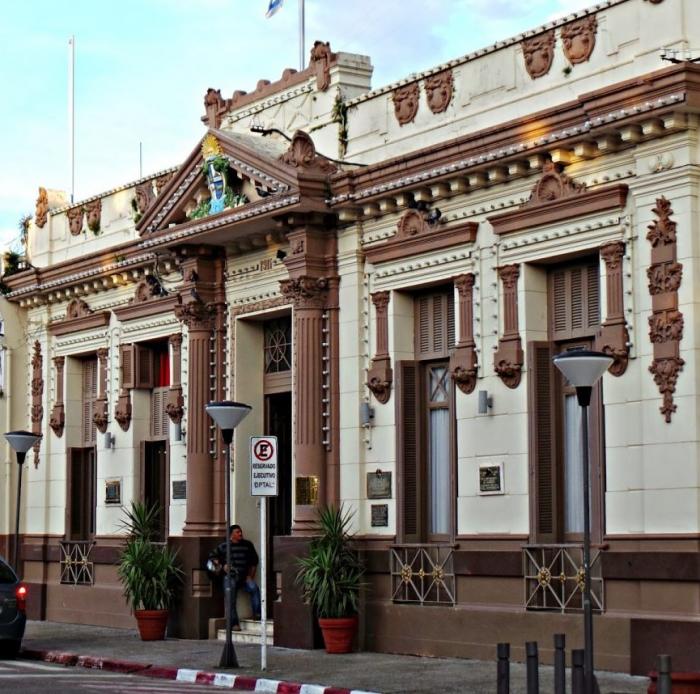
(244, 560)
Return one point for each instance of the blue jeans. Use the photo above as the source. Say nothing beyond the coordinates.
(250, 587)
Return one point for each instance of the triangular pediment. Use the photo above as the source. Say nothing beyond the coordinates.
(225, 170)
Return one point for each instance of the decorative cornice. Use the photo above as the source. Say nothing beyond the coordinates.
(87, 321)
(151, 307)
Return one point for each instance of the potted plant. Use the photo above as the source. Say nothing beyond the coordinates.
(331, 577)
(148, 570)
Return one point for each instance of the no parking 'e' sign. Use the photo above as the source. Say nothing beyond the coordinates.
(263, 465)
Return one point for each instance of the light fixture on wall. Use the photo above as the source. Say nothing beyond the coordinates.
(485, 402)
(366, 414)
(109, 440)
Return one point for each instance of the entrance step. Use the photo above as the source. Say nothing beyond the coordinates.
(250, 632)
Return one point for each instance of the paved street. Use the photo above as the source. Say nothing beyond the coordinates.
(36, 678)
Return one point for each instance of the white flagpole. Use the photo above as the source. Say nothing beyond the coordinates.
(301, 35)
(71, 113)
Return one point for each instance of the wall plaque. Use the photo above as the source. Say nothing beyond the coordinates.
(179, 489)
(380, 515)
(113, 491)
(379, 485)
(491, 479)
(307, 491)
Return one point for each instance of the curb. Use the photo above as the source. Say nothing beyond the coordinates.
(217, 679)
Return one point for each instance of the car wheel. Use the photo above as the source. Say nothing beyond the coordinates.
(9, 649)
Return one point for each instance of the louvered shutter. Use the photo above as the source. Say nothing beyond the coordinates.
(126, 358)
(89, 395)
(143, 367)
(159, 417)
(408, 447)
(574, 301)
(542, 443)
(435, 325)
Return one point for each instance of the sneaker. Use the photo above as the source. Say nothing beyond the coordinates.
(236, 627)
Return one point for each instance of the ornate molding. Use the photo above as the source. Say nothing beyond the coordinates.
(321, 59)
(122, 412)
(163, 180)
(379, 379)
(438, 90)
(666, 322)
(380, 376)
(538, 52)
(175, 404)
(579, 39)
(143, 196)
(508, 360)
(57, 421)
(147, 289)
(553, 185)
(464, 361)
(302, 155)
(77, 308)
(406, 101)
(37, 392)
(196, 315)
(305, 292)
(41, 211)
(93, 213)
(613, 337)
(99, 411)
(75, 220)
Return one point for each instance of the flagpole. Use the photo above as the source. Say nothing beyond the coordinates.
(71, 113)
(301, 35)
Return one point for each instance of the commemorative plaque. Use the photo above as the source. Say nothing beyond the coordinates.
(491, 479)
(380, 515)
(379, 485)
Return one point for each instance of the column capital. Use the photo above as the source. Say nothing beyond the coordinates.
(305, 292)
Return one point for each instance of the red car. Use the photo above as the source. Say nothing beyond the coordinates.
(13, 604)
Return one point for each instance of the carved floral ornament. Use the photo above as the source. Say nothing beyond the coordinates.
(75, 220)
(305, 292)
(579, 39)
(41, 212)
(539, 53)
(412, 223)
(438, 91)
(553, 185)
(302, 155)
(77, 308)
(406, 103)
(37, 392)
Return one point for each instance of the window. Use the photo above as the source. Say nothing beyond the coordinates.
(278, 345)
(425, 418)
(81, 494)
(89, 393)
(556, 461)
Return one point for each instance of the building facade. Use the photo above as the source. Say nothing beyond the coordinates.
(385, 277)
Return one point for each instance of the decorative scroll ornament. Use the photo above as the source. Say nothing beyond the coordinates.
(379, 380)
(302, 155)
(58, 415)
(75, 220)
(665, 373)
(538, 52)
(175, 406)
(93, 211)
(553, 185)
(41, 212)
(406, 100)
(77, 308)
(662, 230)
(438, 91)
(305, 292)
(122, 413)
(579, 39)
(321, 57)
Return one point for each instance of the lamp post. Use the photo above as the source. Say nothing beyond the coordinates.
(228, 416)
(21, 442)
(582, 369)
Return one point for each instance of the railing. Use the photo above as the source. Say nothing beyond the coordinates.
(76, 567)
(423, 574)
(554, 578)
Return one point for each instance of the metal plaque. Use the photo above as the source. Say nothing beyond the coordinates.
(380, 515)
(113, 491)
(379, 485)
(179, 489)
(491, 479)
(263, 466)
(307, 491)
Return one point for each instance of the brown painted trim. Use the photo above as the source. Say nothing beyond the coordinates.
(651, 566)
(380, 375)
(508, 359)
(433, 239)
(588, 202)
(488, 537)
(76, 325)
(58, 415)
(464, 360)
(144, 309)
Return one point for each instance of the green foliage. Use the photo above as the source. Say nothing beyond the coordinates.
(232, 199)
(219, 163)
(11, 263)
(339, 114)
(331, 575)
(148, 570)
(202, 210)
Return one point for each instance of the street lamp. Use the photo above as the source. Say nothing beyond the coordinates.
(21, 442)
(228, 415)
(582, 369)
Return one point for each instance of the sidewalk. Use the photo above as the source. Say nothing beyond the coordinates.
(362, 672)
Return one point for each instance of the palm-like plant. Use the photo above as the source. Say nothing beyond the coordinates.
(331, 575)
(148, 570)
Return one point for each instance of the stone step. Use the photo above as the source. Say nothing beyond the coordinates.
(249, 633)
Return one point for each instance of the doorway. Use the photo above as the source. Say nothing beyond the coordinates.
(155, 483)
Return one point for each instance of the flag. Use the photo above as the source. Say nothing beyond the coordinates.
(274, 6)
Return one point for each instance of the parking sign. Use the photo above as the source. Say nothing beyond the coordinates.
(263, 466)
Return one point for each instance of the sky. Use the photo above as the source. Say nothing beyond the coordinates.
(142, 68)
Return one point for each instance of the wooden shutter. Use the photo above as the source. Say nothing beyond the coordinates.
(126, 362)
(542, 424)
(143, 367)
(574, 301)
(408, 449)
(435, 325)
(89, 395)
(159, 417)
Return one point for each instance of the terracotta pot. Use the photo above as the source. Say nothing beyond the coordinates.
(681, 682)
(151, 624)
(338, 633)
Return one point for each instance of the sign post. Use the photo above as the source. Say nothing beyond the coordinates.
(263, 483)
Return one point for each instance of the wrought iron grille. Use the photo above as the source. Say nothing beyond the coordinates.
(278, 345)
(423, 574)
(76, 567)
(554, 578)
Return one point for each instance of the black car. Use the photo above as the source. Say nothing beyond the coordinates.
(13, 605)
